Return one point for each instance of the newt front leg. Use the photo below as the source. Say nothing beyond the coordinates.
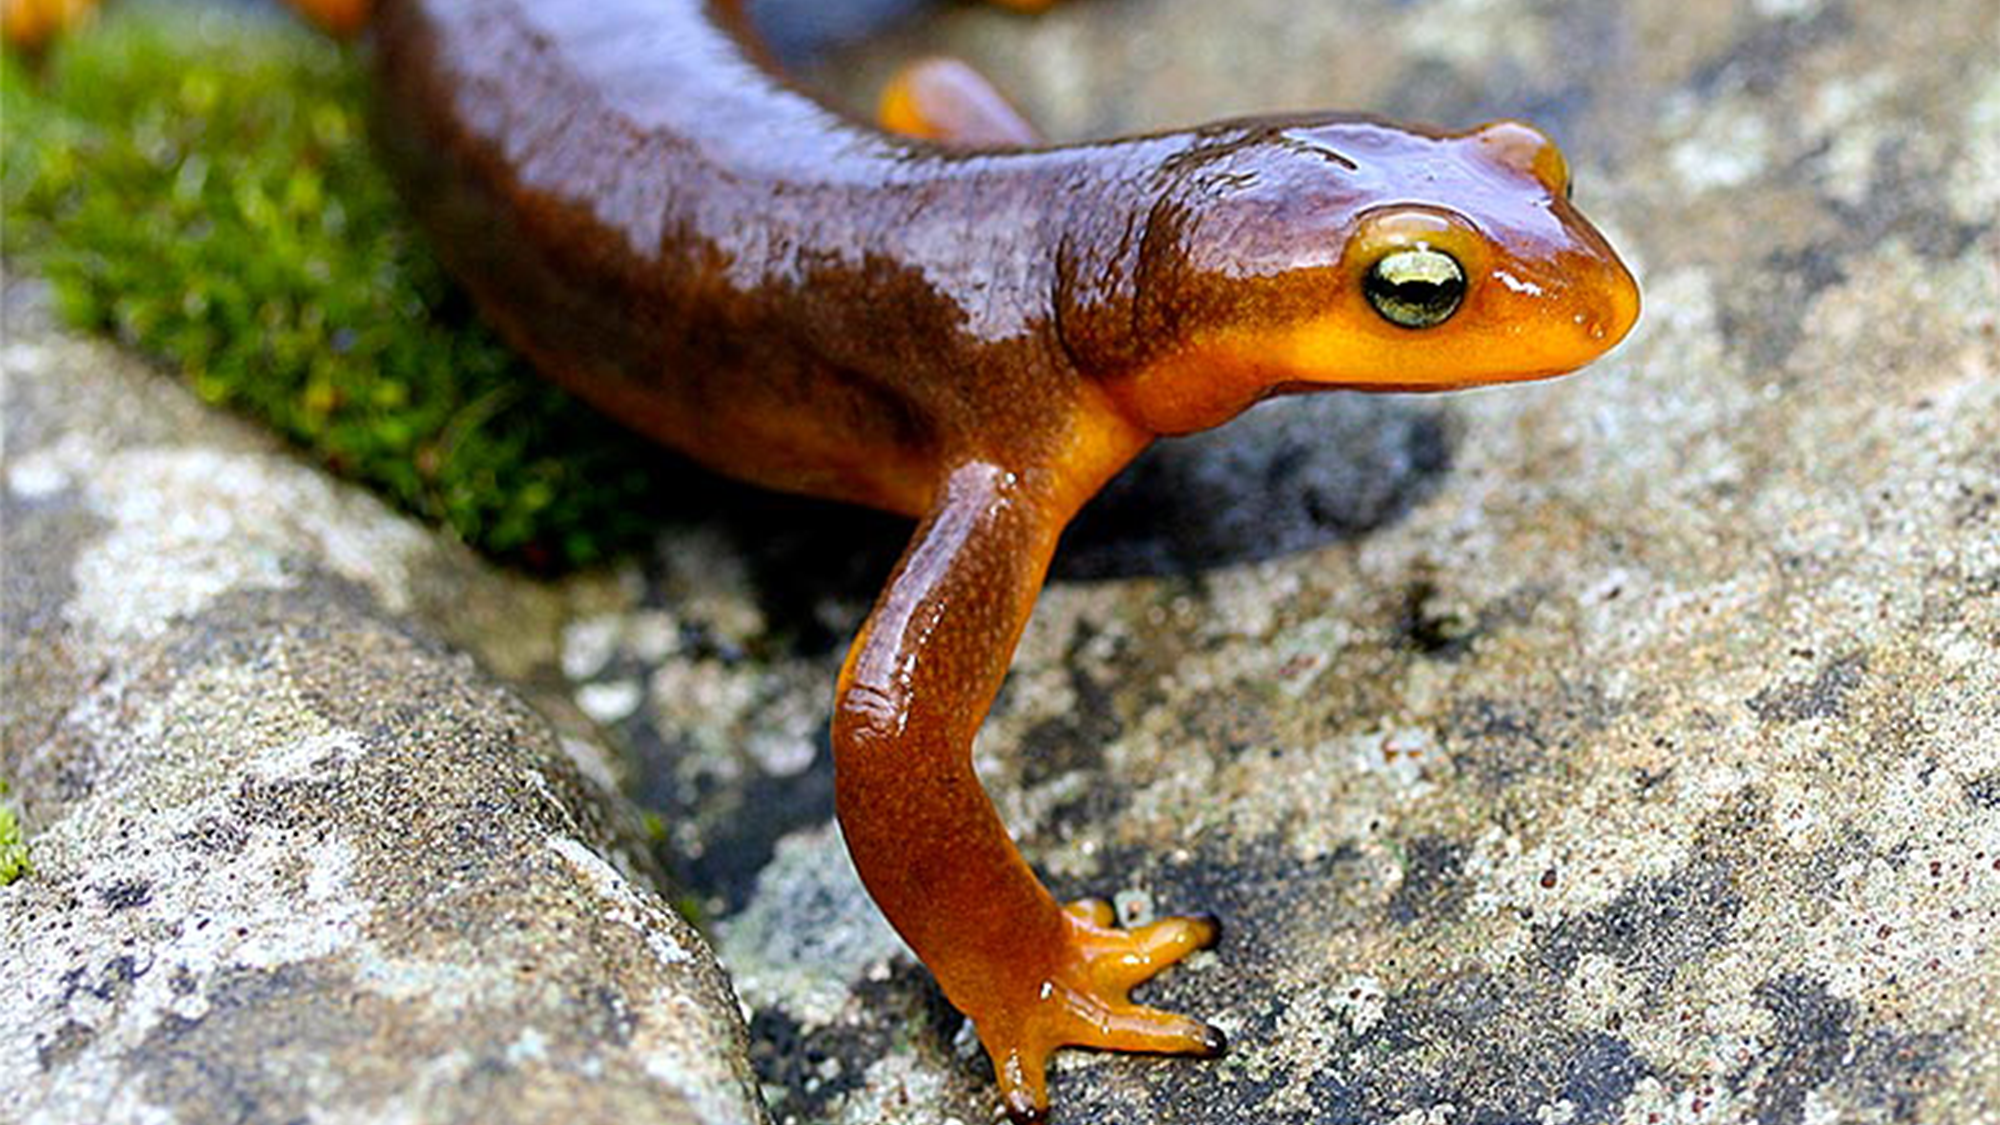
(1033, 975)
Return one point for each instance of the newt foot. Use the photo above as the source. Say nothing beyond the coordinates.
(1083, 1003)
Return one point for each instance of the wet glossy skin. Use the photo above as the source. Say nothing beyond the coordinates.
(978, 339)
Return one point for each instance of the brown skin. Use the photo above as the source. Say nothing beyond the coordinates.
(975, 338)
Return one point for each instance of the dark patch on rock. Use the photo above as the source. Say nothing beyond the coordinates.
(1207, 1091)
(63, 1044)
(1073, 740)
(1501, 742)
(1284, 478)
(611, 1018)
(289, 805)
(1495, 1046)
(1558, 110)
(1063, 744)
(1654, 925)
(1494, 742)
(217, 836)
(1338, 1097)
(816, 1068)
(653, 755)
(777, 1048)
(1434, 887)
(111, 985)
(1587, 29)
(1822, 697)
(1978, 506)
(1764, 318)
(1430, 626)
(1819, 1048)
(1600, 1074)
(787, 1058)
(43, 536)
(1424, 628)
(1728, 828)
(1093, 808)
(38, 665)
(1907, 201)
(734, 840)
(1984, 791)
(221, 1066)
(1262, 892)
(1237, 1096)
(742, 821)
(1763, 315)
(729, 864)
(1761, 60)
(1819, 876)
(1249, 885)
(1813, 1037)
(124, 894)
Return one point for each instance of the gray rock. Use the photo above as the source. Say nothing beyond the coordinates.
(294, 856)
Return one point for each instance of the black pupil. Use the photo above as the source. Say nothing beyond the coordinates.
(1427, 295)
(1416, 289)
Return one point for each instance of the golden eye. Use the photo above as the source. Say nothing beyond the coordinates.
(1415, 288)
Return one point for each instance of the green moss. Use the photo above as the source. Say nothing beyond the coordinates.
(688, 906)
(13, 848)
(199, 183)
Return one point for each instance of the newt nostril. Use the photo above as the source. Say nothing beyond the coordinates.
(1623, 303)
(1606, 319)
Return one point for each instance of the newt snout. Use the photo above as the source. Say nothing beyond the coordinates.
(1353, 254)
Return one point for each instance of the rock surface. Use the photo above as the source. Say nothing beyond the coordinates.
(294, 857)
(1625, 749)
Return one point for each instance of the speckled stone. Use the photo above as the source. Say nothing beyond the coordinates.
(1624, 749)
(295, 857)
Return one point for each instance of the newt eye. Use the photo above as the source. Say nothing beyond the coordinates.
(1415, 288)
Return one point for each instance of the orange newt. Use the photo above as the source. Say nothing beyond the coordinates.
(957, 323)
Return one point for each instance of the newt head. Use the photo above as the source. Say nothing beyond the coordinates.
(1354, 254)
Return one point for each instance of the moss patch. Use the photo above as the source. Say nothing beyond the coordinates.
(13, 848)
(199, 183)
